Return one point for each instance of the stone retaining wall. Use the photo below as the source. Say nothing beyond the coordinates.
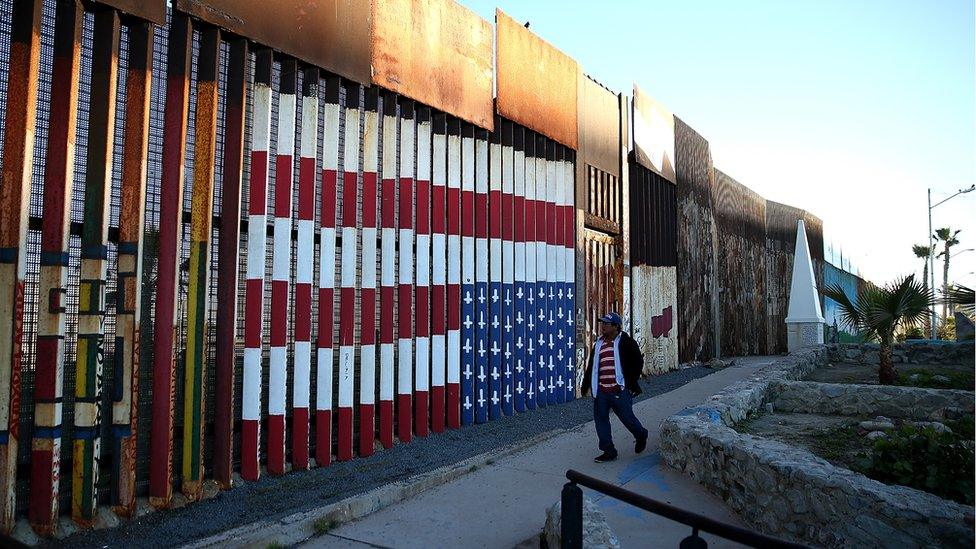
(789, 492)
(948, 352)
(870, 400)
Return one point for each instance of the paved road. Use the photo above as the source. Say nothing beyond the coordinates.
(504, 503)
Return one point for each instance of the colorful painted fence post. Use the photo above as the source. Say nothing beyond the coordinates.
(422, 366)
(388, 268)
(94, 265)
(518, 292)
(569, 274)
(257, 239)
(51, 317)
(467, 275)
(367, 294)
(541, 294)
(528, 213)
(495, 274)
(304, 266)
(170, 240)
(438, 274)
(480, 311)
(405, 364)
(201, 216)
(453, 273)
(508, 267)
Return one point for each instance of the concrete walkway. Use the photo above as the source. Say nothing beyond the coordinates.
(504, 503)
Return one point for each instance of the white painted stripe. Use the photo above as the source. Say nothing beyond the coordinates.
(454, 259)
(467, 260)
(386, 371)
(439, 257)
(370, 141)
(520, 261)
(423, 151)
(423, 260)
(423, 363)
(530, 258)
(481, 167)
(495, 171)
(481, 251)
(310, 124)
(303, 357)
(508, 174)
(454, 356)
(407, 129)
(367, 374)
(257, 239)
(369, 258)
(277, 379)
(305, 251)
(327, 238)
(286, 123)
(323, 381)
(440, 160)
(281, 260)
(496, 259)
(467, 152)
(350, 157)
(330, 139)
(388, 249)
(508, 249)
(519, 173)
(346, 357)
(348, 279)
(438, 346)
(454, 161)
(389, 146)
(406, 257)
(405, 369)
(530, 178)
(261, 129)
(251, 408)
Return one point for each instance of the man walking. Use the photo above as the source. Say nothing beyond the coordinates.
(612, 374)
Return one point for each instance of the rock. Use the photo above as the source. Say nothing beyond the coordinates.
(875, 435)
(716, 364)
(876, 425)
(937, 426)
(23, 533)
(210, 489)
(178, 500)
(964, 327)
(940, 379)
(913, 378)
(596, 531)
(106, 518)
(142, 507)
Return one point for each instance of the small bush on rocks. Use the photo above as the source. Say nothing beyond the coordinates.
(939, 463)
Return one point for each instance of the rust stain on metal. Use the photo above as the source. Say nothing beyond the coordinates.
(153, 11)
(437, 52)
(653, 135)
(330, 34)
(599, 126)
(537, 84)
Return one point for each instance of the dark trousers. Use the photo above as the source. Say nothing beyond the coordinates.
(622, 404)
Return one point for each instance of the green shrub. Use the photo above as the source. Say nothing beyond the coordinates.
(939, 463)
(913, 332)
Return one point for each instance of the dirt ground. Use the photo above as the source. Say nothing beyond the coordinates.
(834, 438)
(960, 377)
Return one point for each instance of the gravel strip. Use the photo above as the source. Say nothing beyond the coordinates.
(274, 497)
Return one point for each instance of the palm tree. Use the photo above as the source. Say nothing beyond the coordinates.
(880, 311)
(922, 252)
(948, 238)
(963, 297)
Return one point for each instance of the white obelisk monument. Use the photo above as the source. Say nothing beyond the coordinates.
(804, 320)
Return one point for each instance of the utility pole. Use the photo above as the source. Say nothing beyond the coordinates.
(932, 246)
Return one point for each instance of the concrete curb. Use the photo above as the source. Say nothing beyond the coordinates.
(300, 527)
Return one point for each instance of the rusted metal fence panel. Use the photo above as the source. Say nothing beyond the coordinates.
(740, 266)
(436, 52)
(780, 243)
(599, 126)
(341, 29)
(537, 84)
(153, 11)
(696, 268)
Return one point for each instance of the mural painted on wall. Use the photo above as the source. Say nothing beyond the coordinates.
(837, 330)
(655, 322)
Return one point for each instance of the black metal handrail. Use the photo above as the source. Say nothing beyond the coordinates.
(572, 516)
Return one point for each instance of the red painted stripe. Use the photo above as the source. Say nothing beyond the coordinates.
(323, 437)
(467, 205)
(329, 183)
(276, 444)
(389, 203)
(529, 220)
(453, 405)
(507, 202)
(453, 210)
(45, 388)
(279, 313)
(437, 404)
(438, 193)
(420, 407)
(495, 215)
(254, 294)
(386, 423)
(326, 309)
(481, 220)
(303, 312)
(569, 226)
(367, 424)
(519, 219)
(42, 498)
(404, 423)
(299, 432)
(404, 326)
(345, 434)
(369, 199)
(349, 180)
(306, 188)
(250, 430)
(551, 223)
(422, 311)
(386, 314)
(257, 186)
(283, 175)
(347, 304)
(406, 203)
(438, 302)
(453, 307)
(423, 206)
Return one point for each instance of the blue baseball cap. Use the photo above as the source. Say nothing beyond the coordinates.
(611, 318)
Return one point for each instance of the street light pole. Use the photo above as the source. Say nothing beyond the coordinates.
(932, 248)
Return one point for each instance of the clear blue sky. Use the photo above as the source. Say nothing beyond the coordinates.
(849, 109)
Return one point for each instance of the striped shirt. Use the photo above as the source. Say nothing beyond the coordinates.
(608, 369)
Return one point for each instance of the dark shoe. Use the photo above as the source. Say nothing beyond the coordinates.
(605, 457)
(640, 444)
